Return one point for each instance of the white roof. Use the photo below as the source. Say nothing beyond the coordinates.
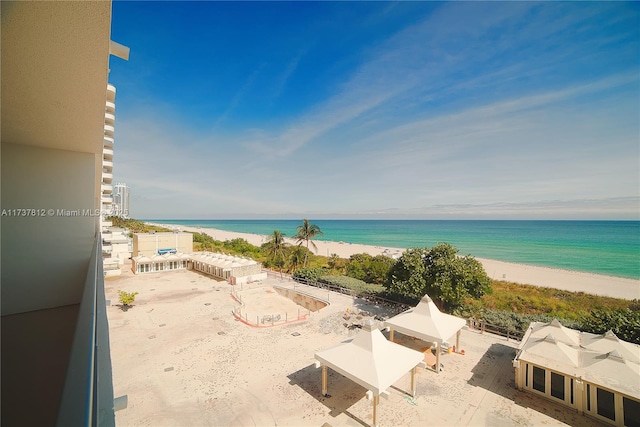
(426, 322)
(217, 260)
(370, 360)
(610, 342)
(600, 359)
(555, 328)
(548, 351)
(141, 258)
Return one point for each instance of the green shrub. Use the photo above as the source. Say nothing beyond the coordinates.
(358, 287)
(312, 274)
(624, 323)
(368, 268)
(241, 246)
(127, 298)
(509, 320)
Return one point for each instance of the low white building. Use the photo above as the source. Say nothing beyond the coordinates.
(157, 262)
(236, 270)
(598, 375)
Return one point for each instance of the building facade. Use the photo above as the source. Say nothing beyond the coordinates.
(597, 375)
(107, 152)
(56, 365)
(235, 270)
(150, 244)
(121, 200)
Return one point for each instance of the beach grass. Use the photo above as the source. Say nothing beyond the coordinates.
(506, 296)
(530, 299)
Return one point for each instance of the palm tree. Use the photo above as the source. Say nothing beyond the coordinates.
(306, 232)
(296, 257)
(275, 247)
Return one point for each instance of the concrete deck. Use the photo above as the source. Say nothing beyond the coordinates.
(182, 359)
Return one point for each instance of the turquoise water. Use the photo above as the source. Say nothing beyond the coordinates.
(603, 247)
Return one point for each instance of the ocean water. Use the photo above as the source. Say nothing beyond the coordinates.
(603, 247)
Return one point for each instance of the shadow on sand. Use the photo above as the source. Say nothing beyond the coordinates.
(343, 393)
(495, 373)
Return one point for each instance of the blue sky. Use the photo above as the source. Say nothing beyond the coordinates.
(427, 110)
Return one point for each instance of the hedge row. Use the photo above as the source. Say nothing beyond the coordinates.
(358, 286)
(624, 323)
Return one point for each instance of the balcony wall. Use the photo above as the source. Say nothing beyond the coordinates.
(87, 397)
(111, 92)
(109, 118)
(55, 61)
(107, 177)
(45, 257)
(48, 267)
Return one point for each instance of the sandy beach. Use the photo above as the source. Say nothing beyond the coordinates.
(567, 280)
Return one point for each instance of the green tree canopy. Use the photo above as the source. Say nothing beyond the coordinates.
(295, 257)
(275, 249)
(305, 233)
(440, 273)
(368, 268)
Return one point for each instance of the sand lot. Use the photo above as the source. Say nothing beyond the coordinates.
(183, 360)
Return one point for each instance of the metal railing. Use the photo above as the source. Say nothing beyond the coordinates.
(262, 320)
(87, 397)
(398, 307)
(483, 326)
(393, 306)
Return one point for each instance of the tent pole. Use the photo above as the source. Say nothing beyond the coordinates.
(375, 410)
(413, 381)
(324, 380)
(438, 358)
(458, 342)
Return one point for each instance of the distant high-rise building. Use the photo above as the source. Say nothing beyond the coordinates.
(121, 200)
(107, 155)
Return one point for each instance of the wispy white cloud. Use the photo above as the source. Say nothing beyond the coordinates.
(240, 95)
(458, 115)
(289, 70)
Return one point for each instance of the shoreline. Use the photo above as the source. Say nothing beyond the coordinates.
(568, 280)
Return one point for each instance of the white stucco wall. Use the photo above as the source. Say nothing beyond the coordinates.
(45, 258)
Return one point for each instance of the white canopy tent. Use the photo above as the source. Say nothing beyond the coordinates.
(427, 323)
(370, 360)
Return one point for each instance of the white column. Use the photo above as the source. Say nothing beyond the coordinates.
(518, 374)
(413, 381)
(324, 380)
